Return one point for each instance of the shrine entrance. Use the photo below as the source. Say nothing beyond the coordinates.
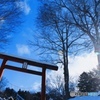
(25, 63)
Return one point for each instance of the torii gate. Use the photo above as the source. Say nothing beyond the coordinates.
(25, 63)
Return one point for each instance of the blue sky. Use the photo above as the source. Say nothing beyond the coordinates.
(18, 46)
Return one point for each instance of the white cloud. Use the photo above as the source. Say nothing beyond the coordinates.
(24, 7)
(55, 77)
(55, 73)
(85, 62)
(77, 65)
(36, 86)
(23, 49)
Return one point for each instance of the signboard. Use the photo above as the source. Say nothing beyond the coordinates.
(24, 65)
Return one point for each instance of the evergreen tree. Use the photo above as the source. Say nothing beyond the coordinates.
(88, 83)
(10, 92)
(95, 84)
(84, 81)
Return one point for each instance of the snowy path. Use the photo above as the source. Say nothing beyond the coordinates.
(86, 98)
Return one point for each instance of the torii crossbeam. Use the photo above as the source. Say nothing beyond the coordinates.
(26, 62)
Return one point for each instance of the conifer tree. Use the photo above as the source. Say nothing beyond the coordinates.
(88, 83)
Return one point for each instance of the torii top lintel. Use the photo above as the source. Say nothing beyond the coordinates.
(30, 62)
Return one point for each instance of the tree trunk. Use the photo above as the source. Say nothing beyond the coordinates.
(66, 77)
(98, 56)
(97, 51)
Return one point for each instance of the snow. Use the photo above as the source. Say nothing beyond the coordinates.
(86, 98)
(77, 98)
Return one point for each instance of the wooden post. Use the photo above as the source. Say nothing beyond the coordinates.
(2, 67)
(43, 94)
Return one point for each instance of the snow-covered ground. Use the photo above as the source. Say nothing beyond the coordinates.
(76, 98)
(86, 98)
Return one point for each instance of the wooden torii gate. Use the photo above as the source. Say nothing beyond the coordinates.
(25, 62)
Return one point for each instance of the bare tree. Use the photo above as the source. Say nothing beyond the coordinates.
(10, 18)
(85, 15)
(56, 38)
(3, 83)
(55, 87)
